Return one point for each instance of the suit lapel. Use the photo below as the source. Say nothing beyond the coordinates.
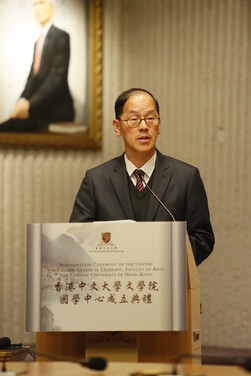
(163, 175)
(120, 184)
(46, 46)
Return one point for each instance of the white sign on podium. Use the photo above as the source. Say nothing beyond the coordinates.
(106, 276)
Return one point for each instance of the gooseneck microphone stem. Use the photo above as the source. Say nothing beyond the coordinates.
(140, 173)
(98, 364)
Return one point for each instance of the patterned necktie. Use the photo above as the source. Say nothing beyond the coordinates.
(139, 184)
(38, 54)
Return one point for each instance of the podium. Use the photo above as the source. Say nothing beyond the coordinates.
(123, 345)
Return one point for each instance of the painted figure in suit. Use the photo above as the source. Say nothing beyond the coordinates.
(46, 97)
(109, 192)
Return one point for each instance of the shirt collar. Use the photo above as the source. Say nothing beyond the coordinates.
(147, 168)
(45, 29)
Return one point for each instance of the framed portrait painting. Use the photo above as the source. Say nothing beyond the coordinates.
(81, 22)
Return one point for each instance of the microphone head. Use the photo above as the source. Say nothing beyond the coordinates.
(141, 174)
(98, 364)
(4, 343)
(246, 364)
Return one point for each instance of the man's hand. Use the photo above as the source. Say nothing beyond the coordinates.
(22, 109)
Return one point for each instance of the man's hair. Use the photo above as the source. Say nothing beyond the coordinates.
(123, 97)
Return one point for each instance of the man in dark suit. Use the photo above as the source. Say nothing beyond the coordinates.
(111, 191)
(46, 97)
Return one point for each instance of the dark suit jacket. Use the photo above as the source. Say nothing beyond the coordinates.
(48, 90)
(104, 196)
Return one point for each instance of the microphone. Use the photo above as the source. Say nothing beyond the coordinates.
(95, 363)
(99, 364)
(244, 362)
(4, 343)
(141, 175)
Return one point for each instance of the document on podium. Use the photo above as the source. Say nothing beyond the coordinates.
(106, 276)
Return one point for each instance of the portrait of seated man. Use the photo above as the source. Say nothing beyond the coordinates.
(46, 96)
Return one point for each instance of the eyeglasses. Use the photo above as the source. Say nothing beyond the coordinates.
(151, 121)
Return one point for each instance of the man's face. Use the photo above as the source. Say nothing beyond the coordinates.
(141, 140)
(43, 10)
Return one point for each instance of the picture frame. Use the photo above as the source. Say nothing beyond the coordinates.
(91, 138)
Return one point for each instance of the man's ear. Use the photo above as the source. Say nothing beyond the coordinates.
(116, 127)
(159, 126)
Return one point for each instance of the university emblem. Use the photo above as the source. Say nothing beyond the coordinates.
(106, 237)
